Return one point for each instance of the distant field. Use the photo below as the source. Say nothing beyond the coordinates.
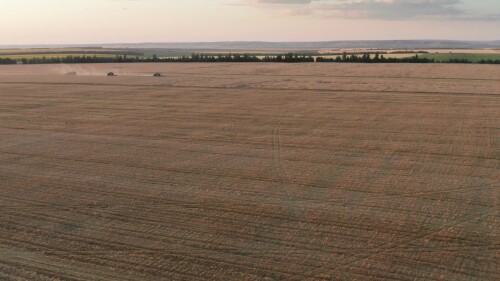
(53, 50)
(470, 57)
(173, 54)
(464, 51)
(372, 55)
(438, 51)
(51, 55)
(439, 55)
(64, 52)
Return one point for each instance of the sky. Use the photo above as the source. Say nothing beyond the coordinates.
(138, 21)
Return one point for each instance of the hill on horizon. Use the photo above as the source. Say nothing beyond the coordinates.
(230, 45)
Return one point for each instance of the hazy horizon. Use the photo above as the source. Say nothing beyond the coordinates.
(51, 22)
(250, 41)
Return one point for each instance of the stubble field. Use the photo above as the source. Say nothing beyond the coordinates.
(250, 172)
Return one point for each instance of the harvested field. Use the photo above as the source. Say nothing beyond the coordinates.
(250, 172)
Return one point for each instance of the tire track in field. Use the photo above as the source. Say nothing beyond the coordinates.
(96, 252)
(462, 190)
(306, 75)
(103, 261)
(247, 265)
(146, 167)
(201, 151)
(371, 195)
(138, 208)
(80, 208)
(155, 250)
(35, 207)
(412, 237)
(335, 76)
(257, 88)
(298, 211)
(387, 247)
(243, 142)
(469, 216)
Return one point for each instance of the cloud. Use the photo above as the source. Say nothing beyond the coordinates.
(376, 9)
(396, 9)
(282, 2)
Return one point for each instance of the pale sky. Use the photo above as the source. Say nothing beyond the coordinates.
(135, 21)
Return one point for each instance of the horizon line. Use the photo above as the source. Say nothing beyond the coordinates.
(256, 41)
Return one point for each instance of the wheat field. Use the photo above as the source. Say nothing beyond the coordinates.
(249, 172)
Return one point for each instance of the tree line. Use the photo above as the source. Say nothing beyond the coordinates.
(379, 58)
(287, 58)
(7, 61)
(280, 58)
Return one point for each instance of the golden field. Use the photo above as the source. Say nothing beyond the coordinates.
(249, 172)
